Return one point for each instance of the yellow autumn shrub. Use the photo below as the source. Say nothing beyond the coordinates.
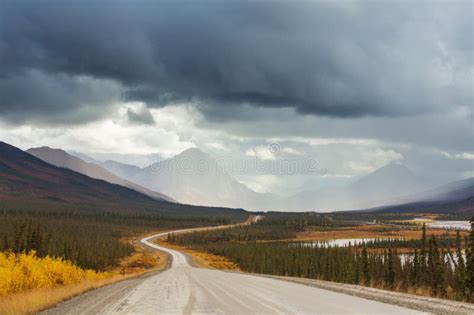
(22, 272)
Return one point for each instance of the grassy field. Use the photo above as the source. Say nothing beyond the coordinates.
(201, 258)
(370, 231)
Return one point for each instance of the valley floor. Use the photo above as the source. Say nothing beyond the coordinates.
(184, 289)
(370, 231)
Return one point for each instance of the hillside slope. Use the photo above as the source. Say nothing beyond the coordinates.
(456, 198)
(194, 177)
(61, 158)
(121, 169)
(382, 186)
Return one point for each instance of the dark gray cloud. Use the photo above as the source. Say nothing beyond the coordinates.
(33, 95)
(342, 59)
(140, 116)
(447, 131)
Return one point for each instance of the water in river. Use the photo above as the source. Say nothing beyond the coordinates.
(343, 242)
(450, 225)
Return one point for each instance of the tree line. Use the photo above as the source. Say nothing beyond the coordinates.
(90, 240)
(275, 226)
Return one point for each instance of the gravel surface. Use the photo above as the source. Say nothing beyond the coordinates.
(421, 303)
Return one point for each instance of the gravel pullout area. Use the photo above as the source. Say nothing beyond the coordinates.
(420, 303)
(95, 299)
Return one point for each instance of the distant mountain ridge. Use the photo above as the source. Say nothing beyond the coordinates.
(456, 197)
(61, 158)
(140, 160)
(120, 169)
(194, 177)
(381, 186)
(454, 191)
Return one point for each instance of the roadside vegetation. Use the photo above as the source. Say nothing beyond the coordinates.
(29, 283)
(438, 266)
(26, 271)
(201, 259)
(48, 281)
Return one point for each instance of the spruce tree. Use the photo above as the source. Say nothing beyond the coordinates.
(390, 276)
(423, 257)
(460, 269)
(19, 237)
(6, 244)
(470, 264)
(365, 266)
(435, 268)
(415, 276)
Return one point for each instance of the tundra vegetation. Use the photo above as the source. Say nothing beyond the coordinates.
(438, 266)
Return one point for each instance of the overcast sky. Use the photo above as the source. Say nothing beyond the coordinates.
(352, 85)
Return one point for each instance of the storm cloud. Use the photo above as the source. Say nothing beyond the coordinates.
(140, 116)
(33, 95)
(341, 59)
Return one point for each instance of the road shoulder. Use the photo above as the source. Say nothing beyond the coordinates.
(420, 303)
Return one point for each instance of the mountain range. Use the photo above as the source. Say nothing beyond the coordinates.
(191, 177)
(194, 177)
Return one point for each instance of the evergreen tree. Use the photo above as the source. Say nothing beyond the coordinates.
(19, 237)
(6, 244)
(415, 276)
(423, 257)
(470, 264)
(390, 276)
(436, 272)
(460, 269)
(365, 266)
